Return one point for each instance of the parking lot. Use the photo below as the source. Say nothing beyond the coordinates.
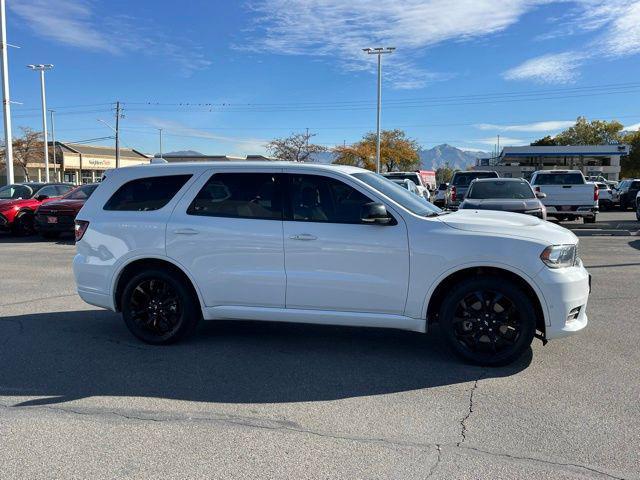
(80, 397)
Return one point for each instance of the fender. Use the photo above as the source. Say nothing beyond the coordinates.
(516, 271)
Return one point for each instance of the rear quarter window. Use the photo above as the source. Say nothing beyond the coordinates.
(146, 194)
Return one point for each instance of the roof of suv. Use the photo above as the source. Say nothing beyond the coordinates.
(138, 169)
(499, 179)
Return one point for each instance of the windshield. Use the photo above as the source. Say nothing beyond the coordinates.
(408, 200)
(500, 189)
(559, 179)
(80, 193)
(15, 192)
(463, 179)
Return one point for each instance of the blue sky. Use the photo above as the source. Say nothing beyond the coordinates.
(224, 77)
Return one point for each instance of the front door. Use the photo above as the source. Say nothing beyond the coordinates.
(333, 260)
(227, 232)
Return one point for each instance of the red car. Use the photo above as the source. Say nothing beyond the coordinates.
(19, 201)
(58, 216)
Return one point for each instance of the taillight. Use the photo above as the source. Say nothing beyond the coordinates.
(537, 189)
(596, 193)
(81, 227)
(454, 195)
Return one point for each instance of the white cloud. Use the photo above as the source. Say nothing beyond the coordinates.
(633, 127)
(74, 23)
(547, 126)
(340, 29)
(552, 68)
(616, 24)
(503, 141)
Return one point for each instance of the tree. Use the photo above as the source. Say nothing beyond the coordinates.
(397, 152)
(444, 174)
(595, 132)
(26, 149)
(295, 148)
(547, 141)
(631, 163)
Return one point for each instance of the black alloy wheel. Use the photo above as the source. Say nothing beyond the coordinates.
(23, 225)
(488, 320)
(158, 308)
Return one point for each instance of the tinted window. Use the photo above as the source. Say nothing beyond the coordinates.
(240, 195)
(81, 193)
(63, 189)
(146, 194)
(15, 192)
(635, 185)
(500, 189)
(559, 179)
(463, 179)
(50, 191)
(322, 199)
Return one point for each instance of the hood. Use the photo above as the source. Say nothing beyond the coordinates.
(506, 204)
(509, 224)
(11, 202)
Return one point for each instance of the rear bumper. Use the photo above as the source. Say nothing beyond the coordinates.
(571, 210)
(64, 224)
(566, 290)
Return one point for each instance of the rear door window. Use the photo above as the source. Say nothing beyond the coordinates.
(146, 194)
(240, 195)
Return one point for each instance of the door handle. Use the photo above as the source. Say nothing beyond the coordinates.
(186, 231)
(303, 237)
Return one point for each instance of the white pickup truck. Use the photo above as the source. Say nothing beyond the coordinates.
(567, 195)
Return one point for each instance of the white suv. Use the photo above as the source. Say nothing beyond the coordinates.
(167, 245)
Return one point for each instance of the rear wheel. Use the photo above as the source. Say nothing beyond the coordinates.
(487, 320)
(159, 308)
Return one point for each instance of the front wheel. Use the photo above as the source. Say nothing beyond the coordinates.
(487, 320)
(23, 225)
(159, 308)
(589, 219)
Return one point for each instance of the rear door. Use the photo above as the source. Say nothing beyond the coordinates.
(333, 260)
(227, 232)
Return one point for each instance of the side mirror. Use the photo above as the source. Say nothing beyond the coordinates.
(375, 213)
(541, 195)
(42, 197)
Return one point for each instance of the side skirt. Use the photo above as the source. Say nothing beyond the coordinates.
(318, 317)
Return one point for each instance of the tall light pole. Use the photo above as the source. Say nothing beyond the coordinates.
(6, 103)
(42, 68)
(160, 132)
(53, 142)
(379, 51)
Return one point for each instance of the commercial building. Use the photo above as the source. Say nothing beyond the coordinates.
(77, 163)
(590, 159)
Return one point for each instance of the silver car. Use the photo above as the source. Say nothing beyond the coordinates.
(505, 194)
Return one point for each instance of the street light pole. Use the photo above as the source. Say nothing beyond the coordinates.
(160, 131)
(6, 103)
(379, 51)
(53, 142)
(42, 68)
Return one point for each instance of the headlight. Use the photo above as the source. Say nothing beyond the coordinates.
(559, 256)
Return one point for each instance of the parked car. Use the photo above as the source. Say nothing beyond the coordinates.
(415, 177)
(600, 179)
(460, 183)
(440, 194)
(638, 206)
(407, 184)
(606, 196)
(505, 194)
(568, 194)
(627, 191)
(58, 216)
(167, 245)
(19, 201)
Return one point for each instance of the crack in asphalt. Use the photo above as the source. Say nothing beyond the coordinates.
(463, 422)
(289, 426)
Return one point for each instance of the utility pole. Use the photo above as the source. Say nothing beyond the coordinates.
(42, 68)
(117, 130)
(498, 152)
(379, 51)
(53, 142)
(160, 131)
(6, 103)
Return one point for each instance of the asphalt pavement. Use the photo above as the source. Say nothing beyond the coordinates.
(81, 398)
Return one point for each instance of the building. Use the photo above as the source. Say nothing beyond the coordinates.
(173, 158)
(77, 163)
(590, 159)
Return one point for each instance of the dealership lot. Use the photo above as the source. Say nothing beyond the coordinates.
(80, 397)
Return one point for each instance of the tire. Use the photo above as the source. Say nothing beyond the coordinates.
(500, 334)
(23, 225)
(638, 212)
(50, 235)
(623, 204)
(159, 308)
(589, 219)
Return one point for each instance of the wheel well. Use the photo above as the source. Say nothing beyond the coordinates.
(445, 285)
(139, 266)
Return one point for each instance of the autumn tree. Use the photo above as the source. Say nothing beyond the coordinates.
(444, 174)
(397, 152)
(630, 164)
(295, 148)
(26, 149)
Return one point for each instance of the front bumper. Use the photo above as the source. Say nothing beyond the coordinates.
(566, 291)
(4, 223)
